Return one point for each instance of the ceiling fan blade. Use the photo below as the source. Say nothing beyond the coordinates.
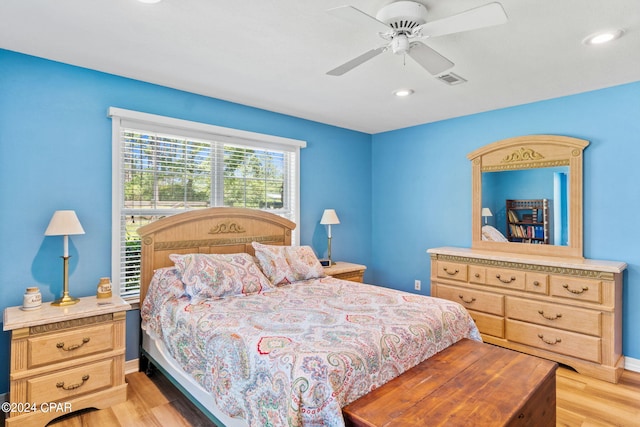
(350, 65)
(484, 16)
(359, 18)
(428, 58)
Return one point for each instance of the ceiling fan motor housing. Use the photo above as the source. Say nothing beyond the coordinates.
(403, 16)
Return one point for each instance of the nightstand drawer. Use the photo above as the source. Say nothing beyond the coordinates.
(63, 385)
(58, 347)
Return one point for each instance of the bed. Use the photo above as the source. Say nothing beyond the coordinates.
(289, 350)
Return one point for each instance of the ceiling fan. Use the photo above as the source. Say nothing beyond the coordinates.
(404, 23)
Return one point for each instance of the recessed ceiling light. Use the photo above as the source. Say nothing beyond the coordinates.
(150, 1)
(403, 92)
(603, 37)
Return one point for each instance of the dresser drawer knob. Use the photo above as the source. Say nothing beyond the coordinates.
(541, 313)
(60, 345)
(557, 340)
(536, 283)
(468, 301)
(477, 275)
(576, 291)
(509, 280)
(61, 385)
(451, 273)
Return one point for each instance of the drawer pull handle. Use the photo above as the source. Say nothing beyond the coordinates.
(541, 313)
(456, 271)
(576, 291)
(477, 275)
(467, 301)
(557, 340)
(61, 385)
(536, 283)
(60, 345)
(505, 280)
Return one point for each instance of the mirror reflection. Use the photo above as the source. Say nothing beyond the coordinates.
(527, 206)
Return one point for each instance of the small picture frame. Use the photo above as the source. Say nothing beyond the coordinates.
(325, 263)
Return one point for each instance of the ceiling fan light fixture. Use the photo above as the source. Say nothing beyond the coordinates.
(403, 93)
(603, 37)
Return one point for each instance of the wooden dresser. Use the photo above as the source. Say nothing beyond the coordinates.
(566, 310)
(64, 359)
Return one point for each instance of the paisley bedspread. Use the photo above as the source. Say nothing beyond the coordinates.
(296, 355)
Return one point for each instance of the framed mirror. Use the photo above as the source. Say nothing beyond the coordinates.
(527, 196)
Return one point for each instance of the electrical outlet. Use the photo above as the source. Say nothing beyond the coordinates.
(417, 285)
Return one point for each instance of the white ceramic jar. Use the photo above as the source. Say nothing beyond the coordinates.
(32, 299)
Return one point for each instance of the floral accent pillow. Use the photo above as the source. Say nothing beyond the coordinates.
(288, 264)
(220, 275)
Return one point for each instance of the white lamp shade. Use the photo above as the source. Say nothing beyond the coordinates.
(64, 223)
(329, 217)
(486, 212)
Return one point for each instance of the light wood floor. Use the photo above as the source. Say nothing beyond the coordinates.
(581, 401)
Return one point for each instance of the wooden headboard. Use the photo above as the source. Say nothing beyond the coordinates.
(208, 231)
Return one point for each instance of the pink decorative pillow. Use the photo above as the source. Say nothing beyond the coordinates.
(220, 275)
(274, 264)
(288, 264)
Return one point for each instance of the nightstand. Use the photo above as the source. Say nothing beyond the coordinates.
(346, 271)
(64, 359)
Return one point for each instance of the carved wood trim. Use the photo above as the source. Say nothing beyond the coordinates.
(73, 323)
(186, 244)
(228, 227)
(574, 272)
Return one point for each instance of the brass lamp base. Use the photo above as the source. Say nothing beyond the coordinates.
(66, 298)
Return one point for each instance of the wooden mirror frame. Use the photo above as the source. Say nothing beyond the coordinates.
(527, 152)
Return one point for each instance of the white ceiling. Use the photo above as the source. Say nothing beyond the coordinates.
(274, 54)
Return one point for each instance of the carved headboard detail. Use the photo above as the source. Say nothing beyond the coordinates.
(212, 230)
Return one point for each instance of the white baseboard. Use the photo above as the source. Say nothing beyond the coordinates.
(131, 366)
(631, 364)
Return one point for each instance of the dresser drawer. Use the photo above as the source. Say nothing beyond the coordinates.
(473, 299)
(488, 324)
(477, 274)
(64, 385)
(576, 288)
(452, 270)
(537, 283)
(504, 278)
(555, 315)
(555, 340)
(61, 346)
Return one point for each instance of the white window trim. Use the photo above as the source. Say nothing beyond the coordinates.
(152, 122)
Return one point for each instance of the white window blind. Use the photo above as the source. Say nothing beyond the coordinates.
(163, 166)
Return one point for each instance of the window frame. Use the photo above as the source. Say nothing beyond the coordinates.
(122, 118)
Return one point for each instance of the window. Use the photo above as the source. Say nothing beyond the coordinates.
(163, 166)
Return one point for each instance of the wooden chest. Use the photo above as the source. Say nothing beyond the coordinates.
(467, 384)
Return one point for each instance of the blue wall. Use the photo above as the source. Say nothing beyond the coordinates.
(55, 153)
(422, 186)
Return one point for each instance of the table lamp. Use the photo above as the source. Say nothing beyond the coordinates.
(64, 223)
(329, 217)
(486, 212)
